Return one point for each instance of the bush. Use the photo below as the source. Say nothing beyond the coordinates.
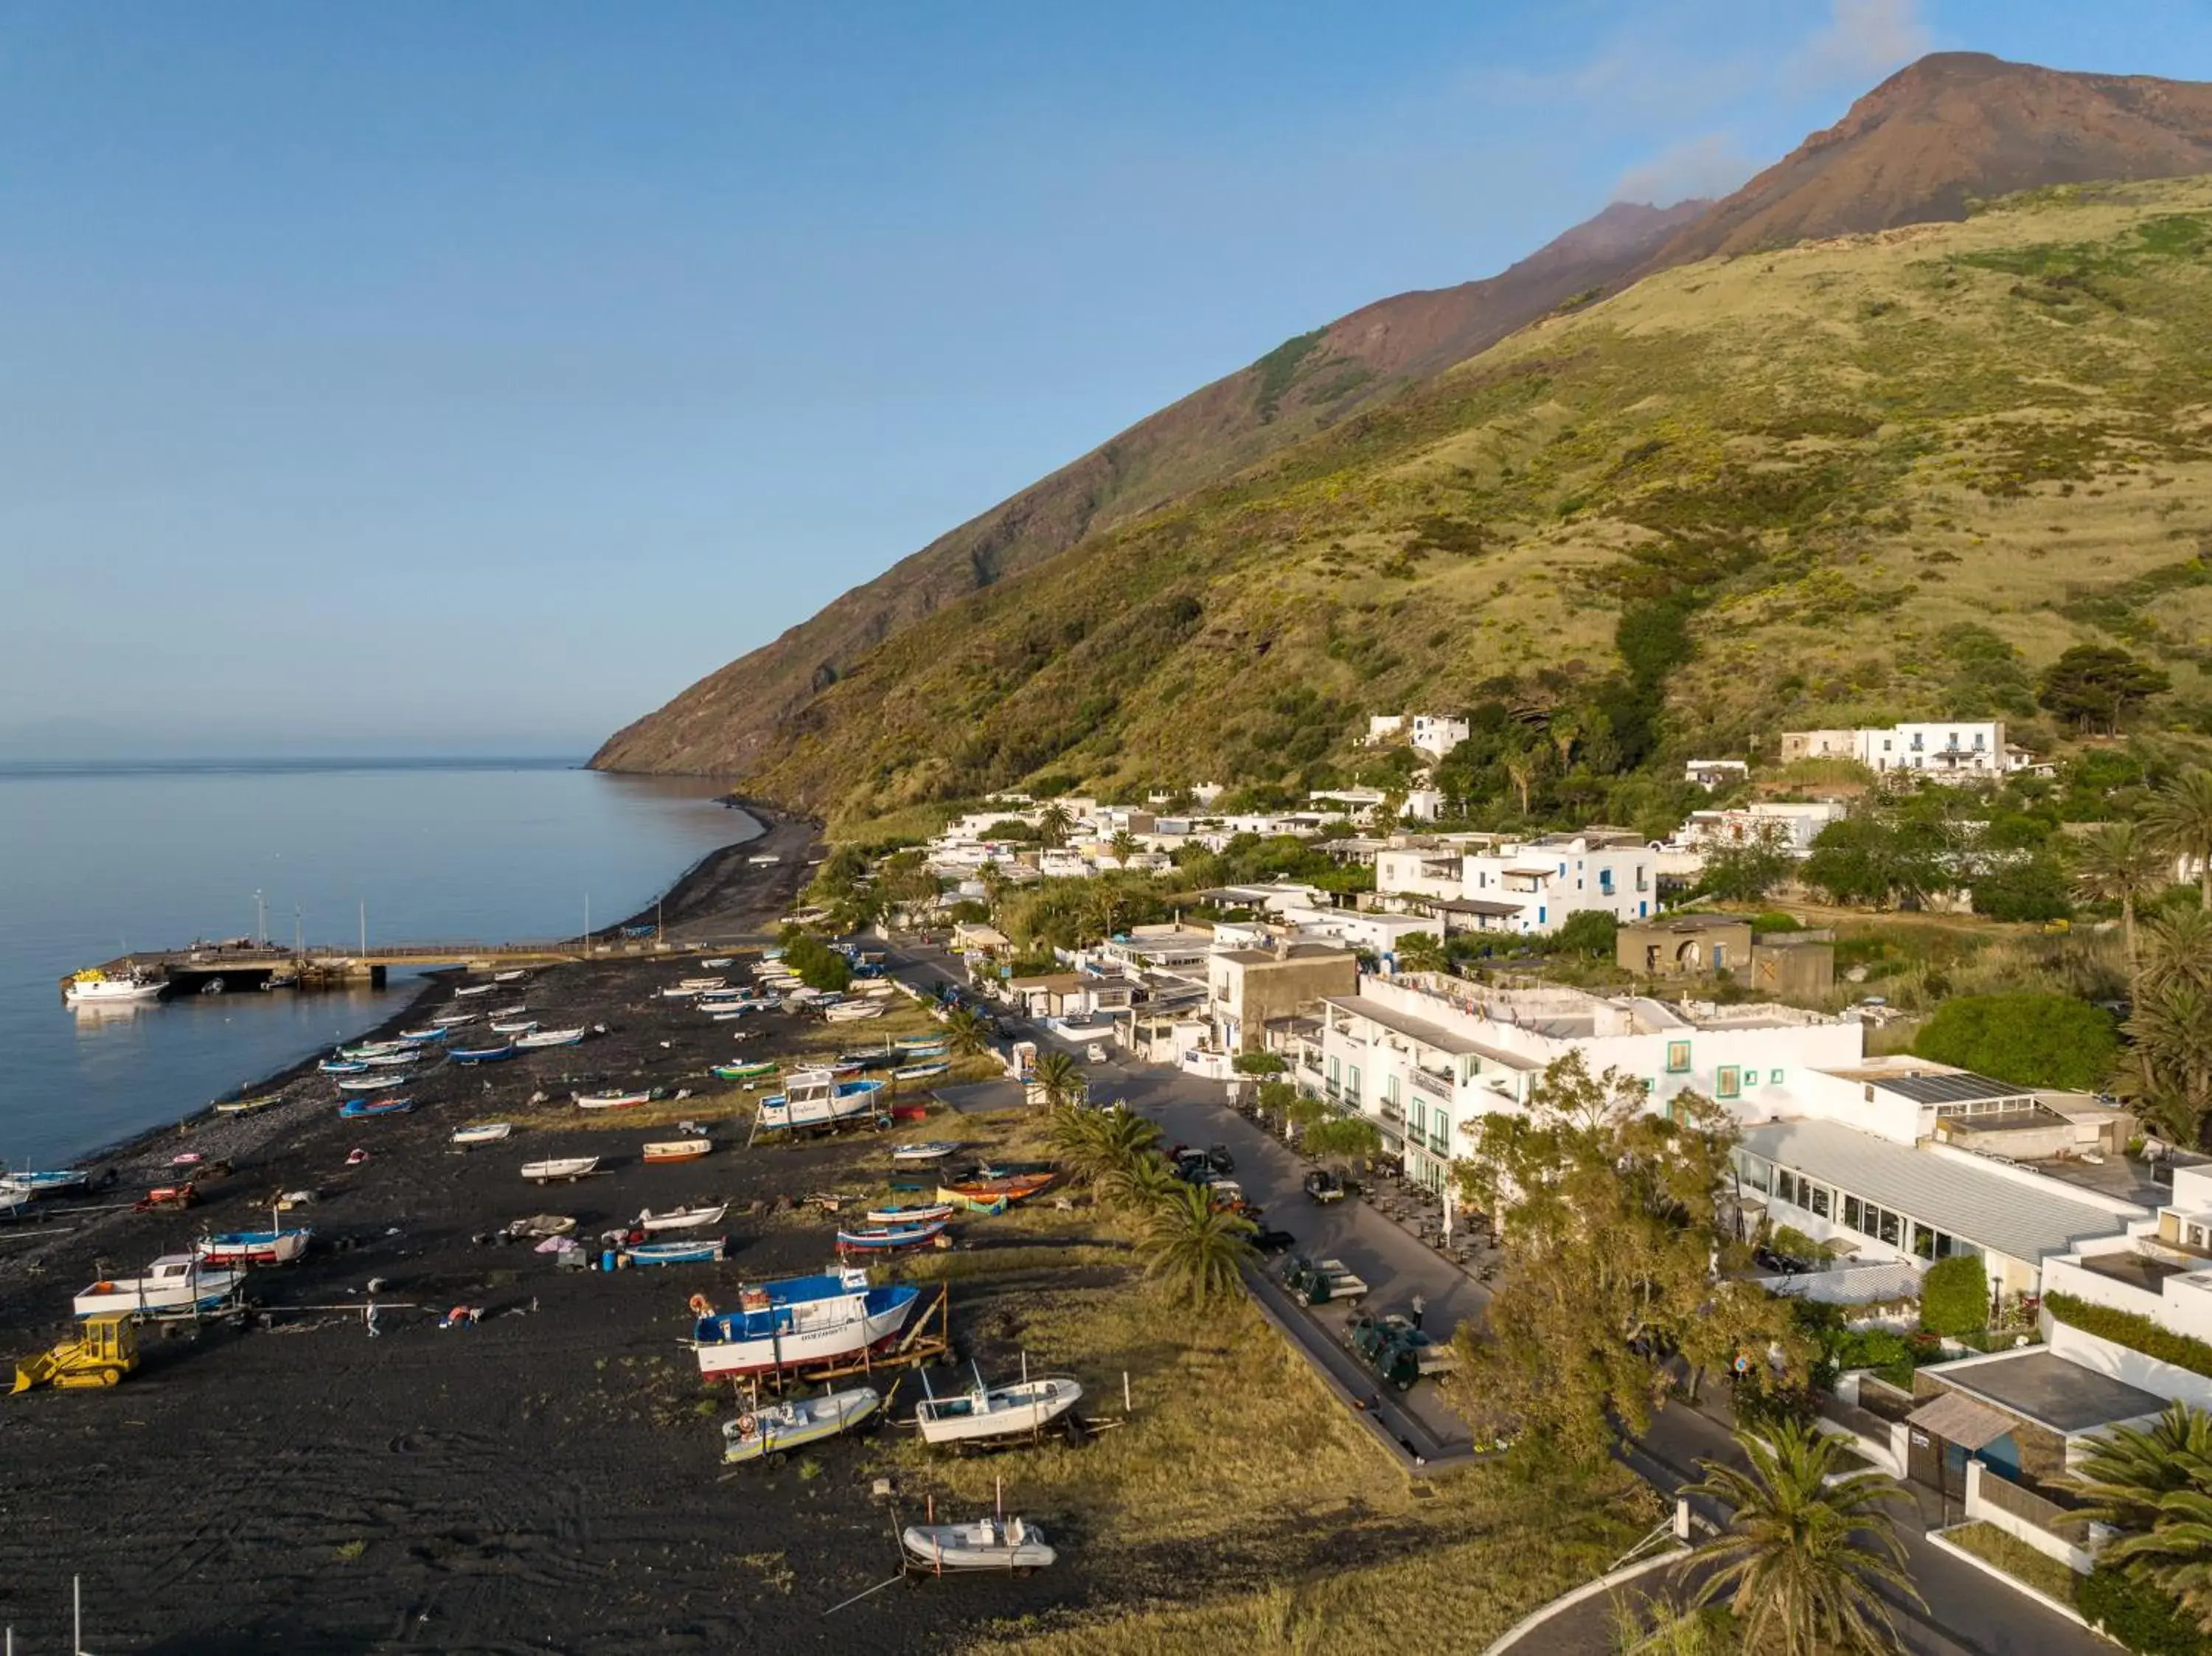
(2140, 1617)
(2137, 1333)
(2034, 889)
(1588, 931)
(818, 965)
(1955, 1296)
(1795, 1244)
(1773, 920)
(2030, 1039)
(1258, 1064)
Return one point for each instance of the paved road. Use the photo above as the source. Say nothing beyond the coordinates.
(1969, 1614)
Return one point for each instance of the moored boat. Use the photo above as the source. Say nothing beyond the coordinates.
(513, 1011)
(921, 1154)
(538, 1040)
(399, 1060)
(254, 1247)
(719, 960)
(354, 1108)
(372, 1083)
(514, 1026)
(424, 1036)
(774, 1428)
(465, 991)
(48, 1181)
(95, 987)
(486, 1132)
(175, 1281)
(343, 1066)
(682, 1218)
(517, 975)
(703, 1251)
(498, 1054)
(248, 1106)
(560, 1167)
(993, 1411)
(453, 1019)
(1008, 1189)
(888, 1239)
(612, 1101)
(988, 1543)
(677, 1150)
(800, 1322)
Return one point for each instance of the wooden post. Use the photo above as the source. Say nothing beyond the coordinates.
(1125, 1406)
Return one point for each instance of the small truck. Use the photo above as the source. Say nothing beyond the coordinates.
(1318, 1283)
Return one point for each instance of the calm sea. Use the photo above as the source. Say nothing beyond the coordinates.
(95, 859)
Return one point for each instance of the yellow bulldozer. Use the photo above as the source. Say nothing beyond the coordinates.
(104, 1351)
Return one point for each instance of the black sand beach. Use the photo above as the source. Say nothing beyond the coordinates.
(548, 1479)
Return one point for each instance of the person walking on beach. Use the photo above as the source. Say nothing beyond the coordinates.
(368, 1319)
(1421, 1310)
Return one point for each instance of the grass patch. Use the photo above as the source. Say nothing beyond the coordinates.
(2016, 1559)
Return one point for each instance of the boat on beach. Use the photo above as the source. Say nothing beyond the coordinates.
(343, 1066)
(910, 1213)
(988, 1543)
(682, 1218)
(535, 1040)
(514, 1026)
(560, 1167)
(719, 960)
(697, 985)
(517, 975)
(175, 1281)
(487, 1133)
(513, 1011)
(888, 1239)
(498, 1054)
(746, 1071)
(774, 1428)
(248, 1106)
(423, 1037)
(354, 1108)
(49, 1181)
(815, 1098)
(923, 1155)
(677, 1150)
(254, 1247)
(454, 1020)
(612, 1101)
(801, 1322)
(995, 1411)
(704, 1251)
(1007, 1190)
(852, 1012)
(467, 990)
(372, 1083)
(919, 1071)
(368, 1049)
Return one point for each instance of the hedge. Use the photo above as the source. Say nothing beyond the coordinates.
(1954, 1295)
(2140, 1617)
(2138, 1333)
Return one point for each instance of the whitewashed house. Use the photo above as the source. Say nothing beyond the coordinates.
(1939, 750)
(1527, 887)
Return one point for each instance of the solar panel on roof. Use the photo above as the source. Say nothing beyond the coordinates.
(1953, 1088)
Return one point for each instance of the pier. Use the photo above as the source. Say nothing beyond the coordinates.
(244, 964)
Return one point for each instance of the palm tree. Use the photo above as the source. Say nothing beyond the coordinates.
(1053, 823)
(966, 1031)
(1804, 1560)
(1142, 1183)
(2155, 1487)
(2169, 1068)
(1095, 1145)
(1421, 951)
(1124, 846)
(2116, 863)
(1058, 1077)
(1196, 1249)
(2180, 821)
(2178, 948)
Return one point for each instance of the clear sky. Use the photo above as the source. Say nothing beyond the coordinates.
(447, 377)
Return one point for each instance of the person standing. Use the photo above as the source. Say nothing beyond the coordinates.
(1421, 1310)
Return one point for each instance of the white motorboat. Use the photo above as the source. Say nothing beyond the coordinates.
(514, 1011)
(253, 1247)
(96, 988)
(719, 960)
(852, 1012)
(372, 1083)
(175, 1281)
(514, 1026)
(515, 976)
(689, 1148)
(612, 1100)
(560, 1167)
(474, 989)
(813, 1097)
(537, 1039)
(454, 1020)
(681, 1218)
(774, 1428)
(988, 1543)
(799, 1323)
(922, 1155)
(489, 1133)
(996, 1411)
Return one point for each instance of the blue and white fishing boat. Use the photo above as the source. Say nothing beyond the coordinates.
(926, 1154)
(888, 1239)
(919, 1071)
(372, 1083)
(814, 1097)
(355, 1109)
(423, 1037)
(369, 1049)
(453, 1019)
(537, 1039)
(703, 1251)
(801, 1322)
(51, 1181)
(910, 1213)
(343, 1066)
(774, 1428)
(515, 1027)
(174, 1283)
(498, 1054)
(254, 1247)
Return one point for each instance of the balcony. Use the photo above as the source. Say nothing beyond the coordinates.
(1436, 1086)
(1390, 1111)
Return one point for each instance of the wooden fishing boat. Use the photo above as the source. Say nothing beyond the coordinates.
(719, 960)
(372, 1083)
(399, 1060)
(888, 1239)
(175, 1281)
(515, 976)
(453, 1019)
(560, 1167)
(988, 1543)
(248, 1106)
(678, 991)
(514, 1026)
(513, 1011)
(910, 1213)
(538, 1040)
(745, 1072)
(487, 1133)
(801, 1322)
(922, 1155)
(967, 1203)
(1009, 1189)
(498, 1054)
(703, 1251)
(343, 1066)
(254, 1247)
(699, 985)
(677, 1150)
(612, 1101)
(919, 1071)
(682, 1218)
(815, 1098)
(995, 1411)
(773, 1429)
(852, 1012)
(354, 1108)
(475, 989)
(423, 1037)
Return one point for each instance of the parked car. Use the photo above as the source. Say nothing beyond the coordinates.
(1272, 1241)
(1397, 1352)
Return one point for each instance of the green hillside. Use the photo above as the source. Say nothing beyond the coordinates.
(1881, 476)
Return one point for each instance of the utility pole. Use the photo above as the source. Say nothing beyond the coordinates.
(364, 927)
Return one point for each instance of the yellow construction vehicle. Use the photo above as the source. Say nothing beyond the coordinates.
(101, 1354)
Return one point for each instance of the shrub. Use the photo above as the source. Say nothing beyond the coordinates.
(1258, 1064)
(2030, 1039)
(1795, 1244)
(1955, 1296)
(2137, 1333)
(1589, 931)
(2139, 1615)
(818, 965)
(2034, 889)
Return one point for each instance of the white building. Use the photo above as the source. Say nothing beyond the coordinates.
(1425, 1056)
(1716, 773)
(1790, 827)
(1942, 750)
(1479, 883)
(1381, 727)
(1436, 735)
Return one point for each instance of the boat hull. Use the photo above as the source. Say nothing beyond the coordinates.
(783, 1427)
(202, 1289)
(1004, 1411)
(682, 1150)
(827, 1328)
(253, 1247)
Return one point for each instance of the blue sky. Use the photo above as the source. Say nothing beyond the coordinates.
(454, 377)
